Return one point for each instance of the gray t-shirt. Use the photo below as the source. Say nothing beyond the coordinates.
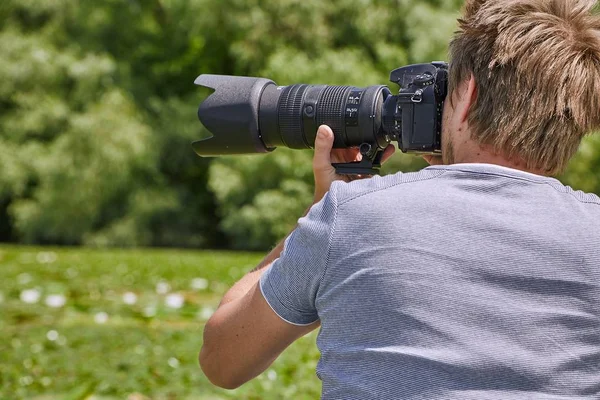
(462, 282)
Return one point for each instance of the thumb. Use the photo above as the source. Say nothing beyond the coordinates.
(323, 146)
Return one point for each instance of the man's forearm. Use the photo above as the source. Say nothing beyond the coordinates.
(234, 349)
(249, 280)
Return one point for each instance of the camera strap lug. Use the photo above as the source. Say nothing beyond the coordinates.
(417, 97)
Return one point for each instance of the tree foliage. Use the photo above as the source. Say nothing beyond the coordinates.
(98, 111)
(96, 124)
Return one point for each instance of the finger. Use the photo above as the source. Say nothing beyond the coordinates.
(356, 156)
(388, 152)
(345, 155)
(323, 146)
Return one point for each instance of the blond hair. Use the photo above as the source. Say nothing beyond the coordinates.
(536, 64)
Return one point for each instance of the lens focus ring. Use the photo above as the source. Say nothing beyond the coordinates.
(290, 116)
(330, 102)
(331, 111)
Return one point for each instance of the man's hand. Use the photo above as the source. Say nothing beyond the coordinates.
(325, 155)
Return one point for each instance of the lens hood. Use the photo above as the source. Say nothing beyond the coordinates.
(231, 115)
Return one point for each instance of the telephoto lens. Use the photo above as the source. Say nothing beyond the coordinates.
(254, 115)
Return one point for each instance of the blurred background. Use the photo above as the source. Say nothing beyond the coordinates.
(97, 113)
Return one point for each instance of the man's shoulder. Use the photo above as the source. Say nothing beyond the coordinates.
(462, 180)
(346, 192)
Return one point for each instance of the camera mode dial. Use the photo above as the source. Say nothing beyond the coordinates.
(424, 80)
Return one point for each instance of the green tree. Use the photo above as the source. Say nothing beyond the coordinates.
(96, 126)
(582, 173)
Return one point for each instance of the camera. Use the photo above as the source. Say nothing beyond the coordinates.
(254, 115)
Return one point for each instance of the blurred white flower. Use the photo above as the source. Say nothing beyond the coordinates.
(24, 278)
(163, 287)
(149, 311)
(46, 381)
(52, 335)
(46, 257)
(56, 300)
(26, 380)
(30, 296)
(271, 375)
(206, 313)
(174, 300)
(36, 348)
(199, 284)
(173, 362)
(130, 298)
(101, 317)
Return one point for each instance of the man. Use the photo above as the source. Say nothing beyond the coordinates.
(476, 278)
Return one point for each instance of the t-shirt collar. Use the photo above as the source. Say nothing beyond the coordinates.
(492, 169)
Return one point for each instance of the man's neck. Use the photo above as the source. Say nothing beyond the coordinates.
(474, 153)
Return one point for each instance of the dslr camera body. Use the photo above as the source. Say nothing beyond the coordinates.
(254, 115)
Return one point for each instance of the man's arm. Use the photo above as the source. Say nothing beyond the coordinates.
(244, 336)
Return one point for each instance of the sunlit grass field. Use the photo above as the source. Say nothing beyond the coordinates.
(95, 324)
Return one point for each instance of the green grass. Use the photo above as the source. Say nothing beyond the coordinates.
(102, 344)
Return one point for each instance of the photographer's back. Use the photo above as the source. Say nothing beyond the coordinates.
(461, 282)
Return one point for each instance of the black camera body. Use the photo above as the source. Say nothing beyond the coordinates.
(254, 115)
(419, 107)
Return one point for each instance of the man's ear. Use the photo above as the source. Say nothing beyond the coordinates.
(468, 97)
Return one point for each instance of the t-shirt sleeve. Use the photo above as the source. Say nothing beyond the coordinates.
(290, 285)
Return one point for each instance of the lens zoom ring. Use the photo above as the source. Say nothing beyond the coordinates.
(290, 116)
(332, 109)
